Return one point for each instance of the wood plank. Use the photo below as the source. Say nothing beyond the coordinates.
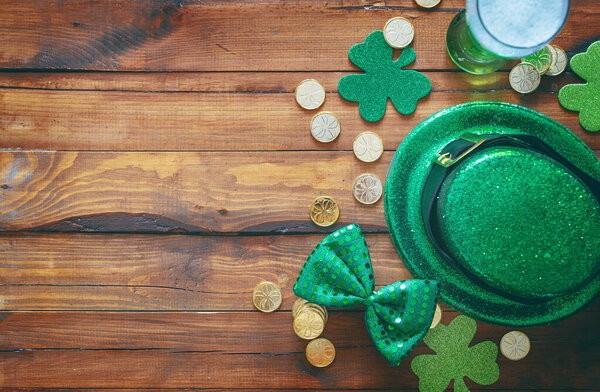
(473, 388)
(175, 349)
(573, 366)
(190, 36)
(246, 82)
(161, 273)
(193, 192)
(223, 112)
(180, 192)
(205, 332)
(157, 272)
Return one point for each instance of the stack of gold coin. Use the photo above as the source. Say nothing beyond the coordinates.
(560, 63)
(525, 77)
(309, 319)
(543, 59)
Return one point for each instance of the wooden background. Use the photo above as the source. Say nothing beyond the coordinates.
(154, 167)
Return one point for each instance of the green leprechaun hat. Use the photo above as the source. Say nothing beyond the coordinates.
(500, 205)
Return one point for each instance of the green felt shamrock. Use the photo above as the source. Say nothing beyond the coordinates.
(454, 358)
(384, 78)
(585, 98)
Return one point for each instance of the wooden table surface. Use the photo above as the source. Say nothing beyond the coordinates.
(154, 167)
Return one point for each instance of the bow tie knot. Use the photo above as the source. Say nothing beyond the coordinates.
(369, 300)
(338, 274)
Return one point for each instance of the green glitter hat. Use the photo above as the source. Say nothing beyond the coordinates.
(500, 205)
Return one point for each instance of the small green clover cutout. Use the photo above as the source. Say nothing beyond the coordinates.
(383, 79)
(585, 98)
(454, 359)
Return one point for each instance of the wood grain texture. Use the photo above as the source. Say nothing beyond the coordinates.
(193, 369)
(172, 35)
(247, 82)
(224, 111)
(230, 332)
(472, 388)
(194, 192)
(258, 192)
(158, 272)
(83, 272)
(206, 139)
(194, 350)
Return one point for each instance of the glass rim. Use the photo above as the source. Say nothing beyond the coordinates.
(566, 9)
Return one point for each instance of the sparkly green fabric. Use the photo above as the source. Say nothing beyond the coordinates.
(406, 176)
(338, 274)
(509, 221)
(454, 359)
(384, 78)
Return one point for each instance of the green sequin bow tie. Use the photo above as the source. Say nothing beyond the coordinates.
(338, 274)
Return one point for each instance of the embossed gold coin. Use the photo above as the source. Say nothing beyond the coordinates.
(325, 127)
(524, 78)
(368, 147)
(317, 308)
(561, 62)
(428, 3)
(437, 317)
(541, 60)
(515, 345)
(554, 58)
(308, 324)
(266, 297)
(300, 305)
(310, 94)
(398, 32)
(324, 211)
(367, 188)
(297, 305)
(320, 352)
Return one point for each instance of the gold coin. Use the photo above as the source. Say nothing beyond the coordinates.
(297, 305)
(428, 3)
(367, 188)
(320, 352)
(515, 345)
(324, 211)
(325, 127)
(437, 317)
(308, 324)
(542, 59)
(554, 58)
(368, 147)
(524, 78)
(310, 94)
(561, 62)
(301, 305)
(398, 32)
(317, 308)
(266, 297)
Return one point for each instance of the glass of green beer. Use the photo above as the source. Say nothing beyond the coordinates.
(482, 38)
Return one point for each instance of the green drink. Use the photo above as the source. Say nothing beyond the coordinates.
(466, 52)
(482, 38)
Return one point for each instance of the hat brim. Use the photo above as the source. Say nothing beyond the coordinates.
(406, 176)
